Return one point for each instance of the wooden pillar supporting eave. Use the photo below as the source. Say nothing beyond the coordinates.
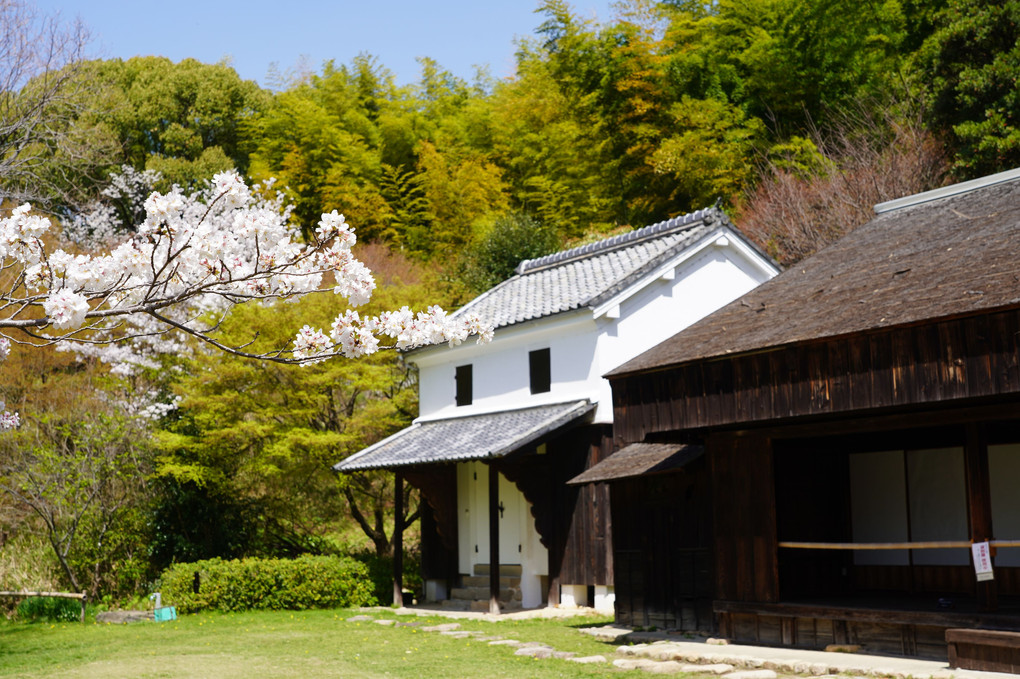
(398, 538)
(493, 540)
(979, 504)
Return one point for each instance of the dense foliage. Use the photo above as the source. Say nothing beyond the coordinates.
(267, 584)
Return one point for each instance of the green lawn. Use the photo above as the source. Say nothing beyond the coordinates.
(292, 644)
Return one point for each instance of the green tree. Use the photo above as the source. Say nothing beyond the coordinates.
(82, 474)
(512, 238)
(186, 120)
(253, 443)
(787, 61)
(709, 156)
(971, 63)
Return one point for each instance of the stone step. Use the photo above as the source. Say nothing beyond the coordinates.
(483, 606)
(483, 581)
(482, 593)
(513, 570)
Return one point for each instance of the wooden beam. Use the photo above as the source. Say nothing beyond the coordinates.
(398, 538)
(866, 546)
(493, 540)
(979, 503)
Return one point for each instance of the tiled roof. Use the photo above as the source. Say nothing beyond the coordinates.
(467, 438)
(947, 257)
(589, 275)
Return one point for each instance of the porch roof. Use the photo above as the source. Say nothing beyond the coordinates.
(475, 437)
(639, 459)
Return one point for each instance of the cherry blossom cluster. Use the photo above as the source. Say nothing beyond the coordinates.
(190, 259)
(7, 420)
(353, 336)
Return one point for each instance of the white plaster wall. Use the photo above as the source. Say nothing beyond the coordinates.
(1004, 470)
(500, 373)
(708, 281)
(583, 347)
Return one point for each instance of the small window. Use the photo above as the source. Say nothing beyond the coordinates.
(463, 379)
(541, 376)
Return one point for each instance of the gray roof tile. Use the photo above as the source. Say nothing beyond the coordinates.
(467, 438)
(591, 274)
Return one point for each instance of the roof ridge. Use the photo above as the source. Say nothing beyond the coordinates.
(609, 244)
(947, 191)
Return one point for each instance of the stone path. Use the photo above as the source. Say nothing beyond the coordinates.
(663, 653)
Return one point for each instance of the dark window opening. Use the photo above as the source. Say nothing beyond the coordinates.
(463, 379)
(541, 374)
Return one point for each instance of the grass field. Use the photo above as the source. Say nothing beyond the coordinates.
(292, 644)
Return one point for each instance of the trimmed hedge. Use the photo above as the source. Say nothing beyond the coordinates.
(267, 584)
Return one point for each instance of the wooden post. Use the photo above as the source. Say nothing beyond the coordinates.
(493, 540)
(398, 538)
(979, 503)
(84, 600)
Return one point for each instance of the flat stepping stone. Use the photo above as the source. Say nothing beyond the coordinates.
(445, 627)
(714, 668)
(384, 622)
(506, 642)
(408, 624)
(563, 655)
(535, 651)
(360, 618)
(667, 667)
(751, 674)
(633, 663)
(589, 659)
(456, 634)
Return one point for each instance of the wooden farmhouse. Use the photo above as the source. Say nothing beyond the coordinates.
(812, 463)
(503, 426)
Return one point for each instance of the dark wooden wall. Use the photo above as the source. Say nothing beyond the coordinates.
(662, 556)
(588, 545)
(965, 358)
(744, 517)
(438, 487)
(573, 522)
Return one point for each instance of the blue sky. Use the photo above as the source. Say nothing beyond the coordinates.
(457, 33)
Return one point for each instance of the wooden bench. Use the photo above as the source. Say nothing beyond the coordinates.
(984, 649)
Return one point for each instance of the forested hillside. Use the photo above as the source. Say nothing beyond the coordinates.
(796, 116)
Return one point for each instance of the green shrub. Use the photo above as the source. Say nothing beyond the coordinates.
(380, 570)
(267, 584)
(49, 609)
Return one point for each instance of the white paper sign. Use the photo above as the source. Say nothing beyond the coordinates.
(982, 561)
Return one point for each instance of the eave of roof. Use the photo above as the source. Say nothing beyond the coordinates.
(475, 437)
(640, 459)
(949, 257)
